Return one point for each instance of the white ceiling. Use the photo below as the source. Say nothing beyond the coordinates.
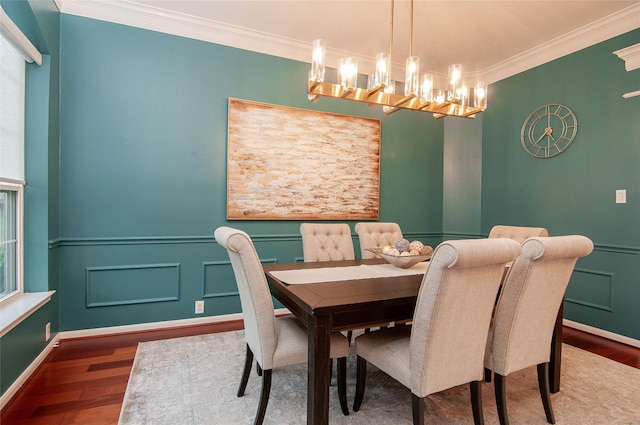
(491, 39)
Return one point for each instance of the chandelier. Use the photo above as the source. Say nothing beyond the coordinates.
(456, 100)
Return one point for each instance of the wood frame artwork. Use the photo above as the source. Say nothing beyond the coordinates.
(296, 164)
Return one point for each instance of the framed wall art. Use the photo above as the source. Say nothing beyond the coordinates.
(288, 163)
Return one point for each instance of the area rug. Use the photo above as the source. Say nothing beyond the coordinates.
(194, 380)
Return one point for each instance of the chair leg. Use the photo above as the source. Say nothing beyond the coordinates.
(545, 394)
(487, 375)
(342, 384)
(248, 361)
(417, 409)
(361, 374)
(264, 397)
(349, 336)
(330, 370)
(258, 369)
(476, 402)
(501, 398)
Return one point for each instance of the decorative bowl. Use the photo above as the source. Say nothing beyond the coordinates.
(402, 261)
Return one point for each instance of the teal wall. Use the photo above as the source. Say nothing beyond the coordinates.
(143, 171)
(462, 178)
(574, 193)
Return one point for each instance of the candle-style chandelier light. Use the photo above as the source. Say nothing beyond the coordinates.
(457, 100)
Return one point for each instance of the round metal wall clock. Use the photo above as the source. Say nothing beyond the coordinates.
(549, 130)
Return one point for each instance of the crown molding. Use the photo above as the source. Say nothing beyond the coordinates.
(626, 20)
(156, 19)
(631, 56)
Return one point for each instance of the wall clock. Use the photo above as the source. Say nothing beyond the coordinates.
(549, 130)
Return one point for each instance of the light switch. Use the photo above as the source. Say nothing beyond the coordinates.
(621, 196)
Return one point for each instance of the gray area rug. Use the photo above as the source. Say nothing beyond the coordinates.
(194, 380)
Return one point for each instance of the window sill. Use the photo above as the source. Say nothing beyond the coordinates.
(19, 307)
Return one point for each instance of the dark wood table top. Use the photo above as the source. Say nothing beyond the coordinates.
(360, 297)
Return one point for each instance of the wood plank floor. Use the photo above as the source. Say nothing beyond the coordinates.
(83, 381)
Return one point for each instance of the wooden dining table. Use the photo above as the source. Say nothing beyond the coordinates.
(340, 305)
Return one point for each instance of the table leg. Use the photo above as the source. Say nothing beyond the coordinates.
(556, 354)
(318, 372)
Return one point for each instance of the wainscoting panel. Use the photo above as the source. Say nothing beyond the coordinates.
(132, 284)
(593, 289)
(219, 280)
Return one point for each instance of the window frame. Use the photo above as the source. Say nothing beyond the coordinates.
(18, 188)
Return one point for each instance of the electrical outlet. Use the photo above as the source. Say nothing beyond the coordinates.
(199, 307)
(47, 331)
(621, 196)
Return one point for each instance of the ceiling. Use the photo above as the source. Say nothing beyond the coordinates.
(486, 37)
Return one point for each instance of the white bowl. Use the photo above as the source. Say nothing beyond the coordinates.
(402, 261)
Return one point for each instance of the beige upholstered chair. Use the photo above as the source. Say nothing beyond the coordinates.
(326, 242)
(275, 342)
(445, 346)
(375, 235)
(517, 233)
(525, 316)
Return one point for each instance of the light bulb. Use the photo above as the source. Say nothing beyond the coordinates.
(412, 76)
(455, 75)
(480, 95)
(383, 68)
(426, 88)
(348, 73)
(318, 60)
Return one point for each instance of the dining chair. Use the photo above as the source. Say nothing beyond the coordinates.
(326, 242)
(445, 345)
(275, 342)
(376, 235)
(517, 233)
(525, 315)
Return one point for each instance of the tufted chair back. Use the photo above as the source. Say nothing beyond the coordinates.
(376, 235)
(517, 233)
(326, 242)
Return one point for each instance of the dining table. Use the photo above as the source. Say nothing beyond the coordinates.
(353, 294)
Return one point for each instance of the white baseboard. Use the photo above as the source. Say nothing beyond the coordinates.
(83, 333)
(600, 332)
(26, 374)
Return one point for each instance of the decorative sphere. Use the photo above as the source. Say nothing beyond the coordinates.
(394, 251)
(426, 250)
(416, 245)
(386, 249)
(402, 245)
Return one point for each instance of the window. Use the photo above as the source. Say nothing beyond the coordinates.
(12, 84)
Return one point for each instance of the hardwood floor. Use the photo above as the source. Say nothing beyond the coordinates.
(83, 381)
